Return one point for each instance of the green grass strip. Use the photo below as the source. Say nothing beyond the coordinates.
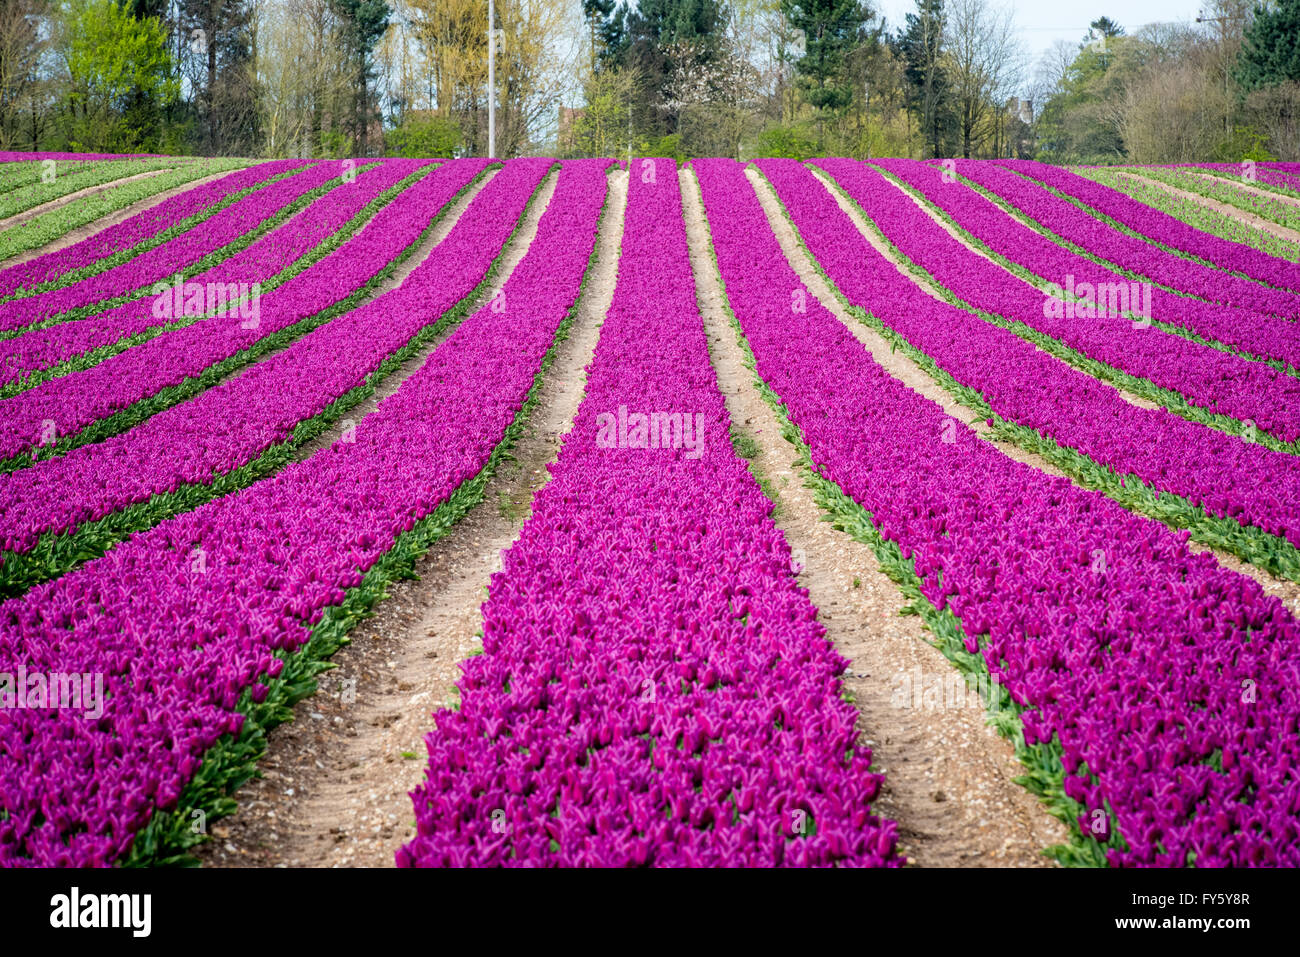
(211, 260)
(232, 761)
(1171, 400)
(14, 175)
(1135, 183)
(20, 173)
(1046, 285)
(47, 227)
(57, 553)
(97, 174)
(1272, 553)
(134, 414)
(166, 236)
(93, 357)
(1044, 762)
(1116, 225)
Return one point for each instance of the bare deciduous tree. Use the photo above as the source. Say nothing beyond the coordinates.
(985, 63)
(22, 45)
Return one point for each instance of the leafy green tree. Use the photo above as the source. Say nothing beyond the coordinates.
(1080, 122)
(424, 137)
(788, 142)
(601, 128)
(110, 57)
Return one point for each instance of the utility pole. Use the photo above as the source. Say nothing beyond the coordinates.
(492, 79)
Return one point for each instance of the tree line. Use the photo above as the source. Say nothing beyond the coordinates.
(616, 77)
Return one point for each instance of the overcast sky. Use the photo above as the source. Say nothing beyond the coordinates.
(1043, 22)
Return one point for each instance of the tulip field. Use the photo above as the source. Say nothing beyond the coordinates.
(243, 403)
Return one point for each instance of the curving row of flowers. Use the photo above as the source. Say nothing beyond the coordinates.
(184, 619)
(1165, 229)
(1215, 380)
(1251, 332)
(1141, 183)
(1220, 474)
(234, 224)
(1146, 259)
(1167, 682)
(654, 687)
(63, 406)
(236, 421)
(221, 286)
(148, 224)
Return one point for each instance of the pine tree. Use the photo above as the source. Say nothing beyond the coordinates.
(219, 45)
(144, 110)
(605, 20)
(642, 39)
(831, 28)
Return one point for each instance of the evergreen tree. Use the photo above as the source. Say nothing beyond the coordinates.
(605, 20)
(1270, 53)
(831, 29)
(219, 47)
(643, 40)
(145, 111)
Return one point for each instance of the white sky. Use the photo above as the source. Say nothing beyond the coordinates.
(1043, 23)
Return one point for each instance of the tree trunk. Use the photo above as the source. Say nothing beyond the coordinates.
(211, 41)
